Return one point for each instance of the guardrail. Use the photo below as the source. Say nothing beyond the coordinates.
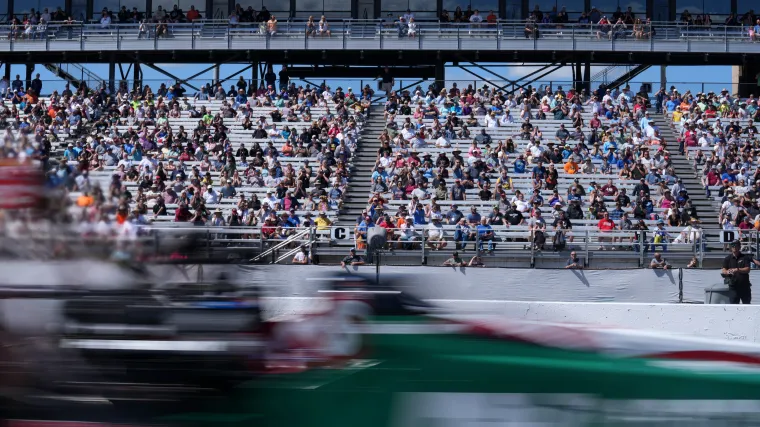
(362, 35)
(516, 241)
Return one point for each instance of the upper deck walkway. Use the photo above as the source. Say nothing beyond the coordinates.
(378, 36)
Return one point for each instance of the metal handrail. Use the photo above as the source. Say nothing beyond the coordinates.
(371, 34)
(289, 240)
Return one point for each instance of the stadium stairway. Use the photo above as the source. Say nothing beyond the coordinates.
(706, 207)
(355, 199)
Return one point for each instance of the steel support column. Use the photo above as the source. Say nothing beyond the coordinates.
(137, 78)
(112, 76)
(29, 73)
(440, 75)
(216, 74)
(8, 71)
(587, 77)
(254, 76)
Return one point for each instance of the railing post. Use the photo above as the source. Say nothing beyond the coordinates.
(229, 35)
(118, 37)
(586, 242)
(192, 35)
(81, 36)
(424, 241)
(642, 242)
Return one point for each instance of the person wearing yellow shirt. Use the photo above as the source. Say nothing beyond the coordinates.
(322, 221)
(571, 167)
(677, 115)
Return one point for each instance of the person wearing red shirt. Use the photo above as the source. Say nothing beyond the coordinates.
(192, 14)
(605, 226)
(595, 123)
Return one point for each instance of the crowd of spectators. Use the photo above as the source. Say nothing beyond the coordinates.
(120, 160)
(719, 133)
(622, 138)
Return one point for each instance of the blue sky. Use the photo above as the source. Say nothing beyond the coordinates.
(696, 78)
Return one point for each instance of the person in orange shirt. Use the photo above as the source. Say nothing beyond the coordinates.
(571, 167)
(85, 200)
(192, 14)
(491, 18)
(31, 97)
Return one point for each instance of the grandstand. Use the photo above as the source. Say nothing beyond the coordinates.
(267, 171)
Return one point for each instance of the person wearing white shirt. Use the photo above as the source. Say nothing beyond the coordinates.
(536, 150)
(476, 18)
(491, 121)
(442, 142)
(411, 28)
(408, 16)
(435, 233)
(407, 132)
(45, 15)
(211, 197)
(417, 97)
(506, 118)
(105, 21)
(270, 200)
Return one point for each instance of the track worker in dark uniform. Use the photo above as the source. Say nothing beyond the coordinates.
(736, 267)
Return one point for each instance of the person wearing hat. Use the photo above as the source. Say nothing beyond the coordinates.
(435, 234)
(218, 219)
(661, 237)
(353, 259)
(735, 271)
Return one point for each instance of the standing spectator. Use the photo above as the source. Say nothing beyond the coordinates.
(387, 80)
(736, 267)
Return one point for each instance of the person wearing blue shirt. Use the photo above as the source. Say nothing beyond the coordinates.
(293, 220)
(728, 176)
(607, 146)
(419, 215)
(70, 154)
(519, 165)
(485, 234)
(380, 172)
(671, 105)
(474, 217)
(539, 172)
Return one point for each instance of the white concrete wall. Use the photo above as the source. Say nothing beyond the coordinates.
(731, 322)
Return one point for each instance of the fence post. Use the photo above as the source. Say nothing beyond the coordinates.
(680, 285)
(586, 242)
(642, 242)
(424, 239)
